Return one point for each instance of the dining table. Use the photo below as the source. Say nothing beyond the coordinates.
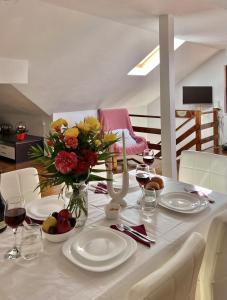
(52, 276)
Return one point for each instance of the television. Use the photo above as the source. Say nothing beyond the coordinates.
(197, 95)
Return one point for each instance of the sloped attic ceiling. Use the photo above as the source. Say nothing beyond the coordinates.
(79, 59)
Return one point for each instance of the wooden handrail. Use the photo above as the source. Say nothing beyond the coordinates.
(197, 128)
(186, 134)
(184, 123)
(146, 130)
(207, 125)
(145, 116)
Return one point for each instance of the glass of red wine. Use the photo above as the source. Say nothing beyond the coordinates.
(14, 216)
(148, 157)
(142, 174)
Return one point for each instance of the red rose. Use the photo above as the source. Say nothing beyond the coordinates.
(50, 143)
(65, 162)
(71, 142)
(90, 157)
(82, 167)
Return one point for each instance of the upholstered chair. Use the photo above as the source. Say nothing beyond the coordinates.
(176, 279)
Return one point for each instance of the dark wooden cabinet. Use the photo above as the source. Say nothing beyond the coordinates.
(16, 150)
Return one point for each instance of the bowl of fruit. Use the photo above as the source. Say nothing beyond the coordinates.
(155, 183)
(59, 226)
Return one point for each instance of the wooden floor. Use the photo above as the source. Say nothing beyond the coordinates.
(7, 165)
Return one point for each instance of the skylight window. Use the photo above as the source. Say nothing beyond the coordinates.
(152, 60)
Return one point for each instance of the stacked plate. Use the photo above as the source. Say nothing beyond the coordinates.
(183, 202)
(40, 209)
(99, 249)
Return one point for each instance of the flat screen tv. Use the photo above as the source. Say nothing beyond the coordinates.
(197, 95)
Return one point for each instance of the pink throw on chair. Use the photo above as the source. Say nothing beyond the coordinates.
(118, 118)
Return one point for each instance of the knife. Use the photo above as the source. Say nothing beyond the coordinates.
(138, 234)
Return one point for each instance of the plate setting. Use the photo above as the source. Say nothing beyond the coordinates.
(183, 202)
(99, 249)
(40, 209)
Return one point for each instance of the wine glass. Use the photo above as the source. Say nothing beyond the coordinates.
(148, 203)
(14, 216)
(148, 157)
(142, 174)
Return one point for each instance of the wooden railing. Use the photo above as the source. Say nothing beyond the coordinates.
(190, 116)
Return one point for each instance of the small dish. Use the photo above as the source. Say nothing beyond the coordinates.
(57, 238)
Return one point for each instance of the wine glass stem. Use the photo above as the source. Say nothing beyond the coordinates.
(15, 237)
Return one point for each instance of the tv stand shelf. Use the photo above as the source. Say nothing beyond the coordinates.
(16, 150)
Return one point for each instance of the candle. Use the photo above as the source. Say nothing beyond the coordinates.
(125, 166)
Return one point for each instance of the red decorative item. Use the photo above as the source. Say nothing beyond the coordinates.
(20, 136)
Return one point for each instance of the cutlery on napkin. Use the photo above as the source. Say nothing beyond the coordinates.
(200, 194)
(140, 229)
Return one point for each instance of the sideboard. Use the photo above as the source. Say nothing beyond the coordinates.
(16, 150)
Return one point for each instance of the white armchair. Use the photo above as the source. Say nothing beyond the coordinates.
(212, 284)
(205, 169)
(175, 280)
(20, 184)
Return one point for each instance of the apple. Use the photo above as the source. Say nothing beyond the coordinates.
(63, 225)
(65, 213)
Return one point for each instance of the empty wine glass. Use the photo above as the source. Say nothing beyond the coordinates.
(148, 203)
(148, 157)
(14, 216)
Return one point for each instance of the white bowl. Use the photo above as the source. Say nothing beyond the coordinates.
(57, 238)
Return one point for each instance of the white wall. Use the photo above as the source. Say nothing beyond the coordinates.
(75, 116)
(36, 124)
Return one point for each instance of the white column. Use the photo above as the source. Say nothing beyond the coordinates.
(167, 86)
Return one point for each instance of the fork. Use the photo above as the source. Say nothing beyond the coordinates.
(198, 194)
(145, 238)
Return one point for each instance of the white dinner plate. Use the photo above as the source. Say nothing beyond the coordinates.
(117, 181)
(183, 202)
(40, 209)
(100, 265)
(99, 245)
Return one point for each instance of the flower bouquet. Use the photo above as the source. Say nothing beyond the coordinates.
(69, 157)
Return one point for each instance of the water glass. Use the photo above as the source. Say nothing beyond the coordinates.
(31, 241)
(148, 203)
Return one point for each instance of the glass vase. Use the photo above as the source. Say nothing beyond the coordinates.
(78, 203)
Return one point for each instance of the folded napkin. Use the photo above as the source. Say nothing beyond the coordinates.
(140, 229)
(29, 220)
(101, 188)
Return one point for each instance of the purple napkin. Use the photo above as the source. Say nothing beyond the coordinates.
(140, 229)
(101, 188)
(29, 220)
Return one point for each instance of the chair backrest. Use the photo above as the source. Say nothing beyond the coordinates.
(175, 280)
(20, 183)
(205, 169)
(115, 118)
(212, 283)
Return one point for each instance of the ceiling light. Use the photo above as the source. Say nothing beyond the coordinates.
(151, 61)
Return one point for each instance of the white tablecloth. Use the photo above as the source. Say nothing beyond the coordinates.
(53, 277)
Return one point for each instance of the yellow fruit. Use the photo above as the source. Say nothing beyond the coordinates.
(49, 222)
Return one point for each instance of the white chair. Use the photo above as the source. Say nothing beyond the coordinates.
(20, 184)
(212, 284)
(205, 169)
(175, 280)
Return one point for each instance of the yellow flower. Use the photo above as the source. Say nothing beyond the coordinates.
(83, 126)
(71, 132)
(109, 138)
(98, 143)
(58, 124)
(93, 123)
